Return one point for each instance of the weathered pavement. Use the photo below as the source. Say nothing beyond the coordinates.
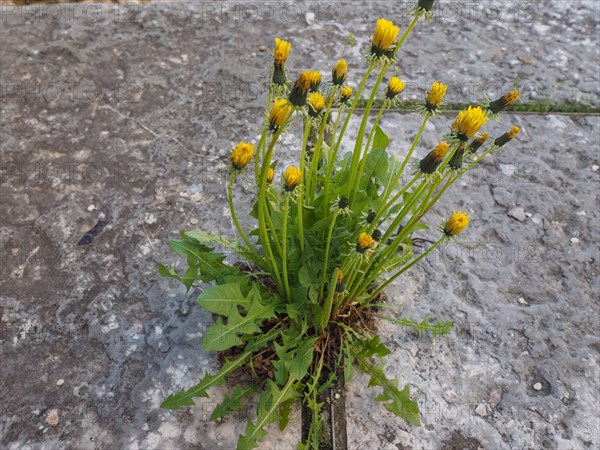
(135, 111)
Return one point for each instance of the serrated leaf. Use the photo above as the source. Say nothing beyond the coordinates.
(436, 329)
(221, 336)
(233, 402)
(221, 299)
(184, 397)
(396, 401)
(267, 413)
(300, 360)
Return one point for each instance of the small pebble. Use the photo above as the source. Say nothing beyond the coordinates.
(91, 208)
(522, 301)
(482, 410)
(337, 396)
(595, 167)
(60, 382)
(262, 48)
(52, 417)
(194, 221)
(574, 240)
(518, 213)
(537, 386)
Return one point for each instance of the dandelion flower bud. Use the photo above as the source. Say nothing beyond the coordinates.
(426, 5)
(457, 159)
(507, 137)
(316, 103)
(364, 242)
(280, 55)
(430, 163)
(300, 90)
(292, 178)
(507, 99)
(376, 235)
(340, 286)
(456, 224)
(315, 80)
(435, 96)
(340, 72)
(345, 94)
(343, 203)
(469, 122)
(270, 175)
(242, 155)
(385, 37)
(281, 110)
(477, 143)
(371, 216)
(395, 87)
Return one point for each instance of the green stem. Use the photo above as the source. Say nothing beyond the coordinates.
(262, 204)
(314, 167)
(361, 166)
(286, 282)
(328, 305)
(390, 187)
(237, 223)
(327, 247)
(301, 191)
(361, 133)
(331, 163)
(405, 268)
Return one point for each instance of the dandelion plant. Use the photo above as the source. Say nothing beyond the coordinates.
(330, 234)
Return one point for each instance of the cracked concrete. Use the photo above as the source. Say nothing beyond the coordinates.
(133, 114)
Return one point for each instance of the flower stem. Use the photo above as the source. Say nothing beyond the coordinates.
(376, 292)
(286, 282)
(327, 246)
(237, 223)
(301, 191)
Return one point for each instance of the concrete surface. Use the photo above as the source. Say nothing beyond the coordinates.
(131, 113)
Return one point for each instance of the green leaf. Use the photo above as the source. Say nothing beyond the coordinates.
(221, 299)
(221, 336)
(299, 364)
(393, 399)
(267, 413)
(233, 402)
(184, 398)
(436, 329)
(203, 263)
(380, 141)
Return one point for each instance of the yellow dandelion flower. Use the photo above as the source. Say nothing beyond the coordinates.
(507, 99)
(281, 110)
(340, 72)
(507, 137)
(469, 122)
(300, 90)
(282, 51)
(435, 96)
(315, 79)
(316, 103)
(345, 94)
(242, 155)
(364, 242)
(385, 37)
(292, 178)
(430, 163)
(270, 175)
(478, 142)
(456, 223)
(395, 87)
